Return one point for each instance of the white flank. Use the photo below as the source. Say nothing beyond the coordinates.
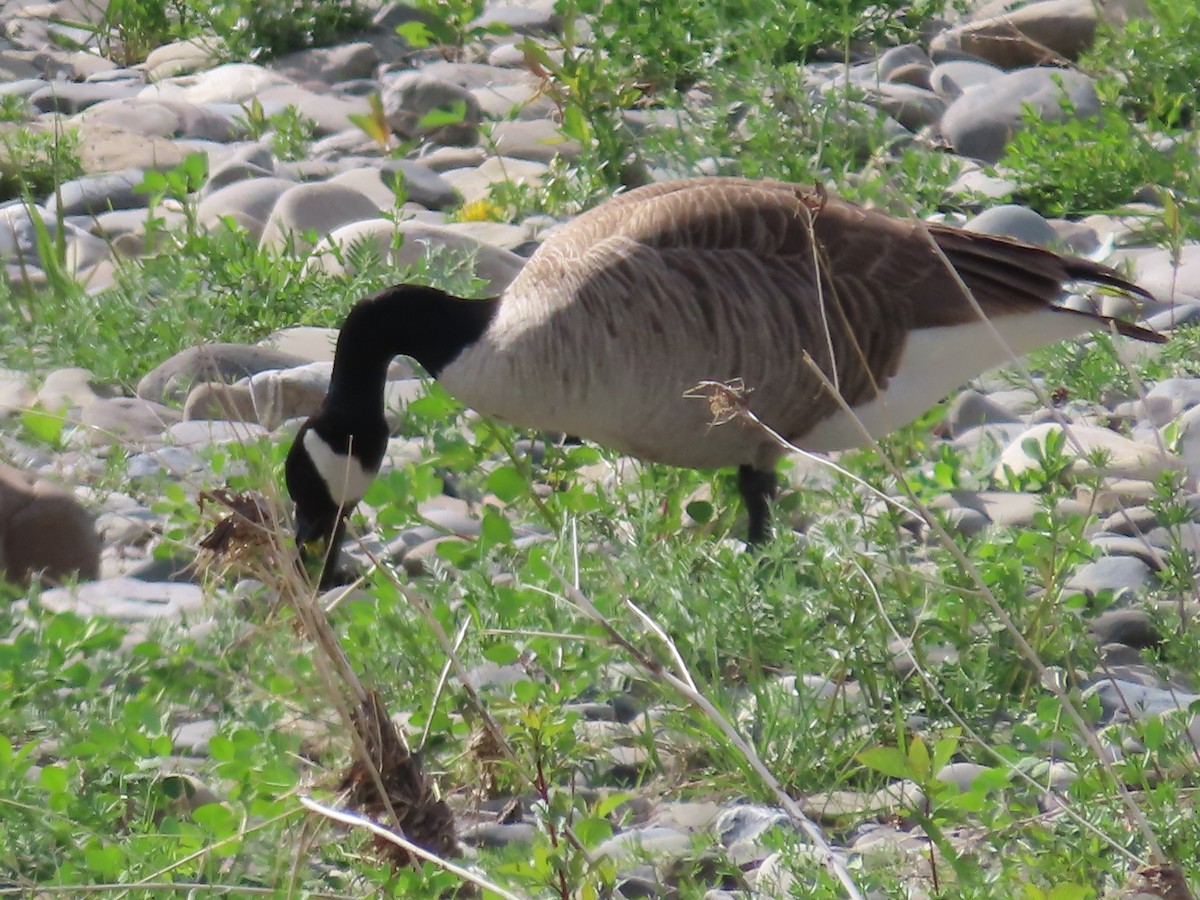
(343, 475)
(937, 361)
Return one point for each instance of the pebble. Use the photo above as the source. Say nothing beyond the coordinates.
(128, 600)
(313, 208)
(1039, 33)
(1119, 455)
(173, 378)
(980, 122)
(1117, 574)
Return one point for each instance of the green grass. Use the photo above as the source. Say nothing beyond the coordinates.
(94, 790)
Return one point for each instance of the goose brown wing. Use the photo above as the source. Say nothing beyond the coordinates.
(724, 279)
(719, 278)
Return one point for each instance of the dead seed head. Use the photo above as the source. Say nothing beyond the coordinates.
(727, 400)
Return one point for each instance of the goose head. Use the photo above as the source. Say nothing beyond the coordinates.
(337, 453)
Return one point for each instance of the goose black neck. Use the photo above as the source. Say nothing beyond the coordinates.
(428, 325)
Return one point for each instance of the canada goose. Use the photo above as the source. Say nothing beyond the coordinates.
(626, 307)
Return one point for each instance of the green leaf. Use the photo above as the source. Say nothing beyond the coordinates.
(592, 831)
(53, 779)
(918, 755)
(943, 750)
(195, 171)
(44, 425)
(219, 819)
(105, 862)
(451, 115)
(502, 654)
(700, 510)
(889, 761)
(526, 691)
(1154, 732)
(374, 123)
(1070, 891)
(574, 125)
(507, 483)
(495, 528)
(416, 33)
(153, 183)
(611, 802)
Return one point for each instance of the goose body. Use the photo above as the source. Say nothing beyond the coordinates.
(631, 304)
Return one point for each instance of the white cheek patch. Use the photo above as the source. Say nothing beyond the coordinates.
(342, 473)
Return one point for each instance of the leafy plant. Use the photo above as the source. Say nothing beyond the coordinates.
(34, 160)
(288, 131)
(1154, 62)
(1082, 165)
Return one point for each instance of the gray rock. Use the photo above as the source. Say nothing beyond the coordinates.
(44, 531)
(1189, 441)
(319, 208)
(313, 344)
(409, 101)
(905, 55)
(1086, 446)
(912, 107)
(981, 121)
(1124, 701)
(279, 395)
(128, 600)
(496, 835)
(1010, 220)
(476, 183)
(422, 184)
(961, 774)
(18, 235)
(369, 182)
(172, 379)
(495, 266)
(253, 161)
(1034, 34)
(94, 194)
(531, 17)
(248, 201)
(1109, 544)
(126, 419)
(214, 400)
(1119, 574)
(330, 113)
(652, 842)
(536, 139)
(106, 148)
(71, 387)
(207, 433)
(231, 83)
(181, 58)
(952, 79)
(328, 64)
(177, 461)
(748, 823)
(69, 98)
(1132, 627)
(1133, 520)
(173, 119)
(970, 409)
(192, 737)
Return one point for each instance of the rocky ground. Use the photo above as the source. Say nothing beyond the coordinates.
(965, 86)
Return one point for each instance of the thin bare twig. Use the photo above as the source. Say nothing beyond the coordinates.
(356, 821)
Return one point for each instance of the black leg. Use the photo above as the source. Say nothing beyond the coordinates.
(757, 488)
(331, 576)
